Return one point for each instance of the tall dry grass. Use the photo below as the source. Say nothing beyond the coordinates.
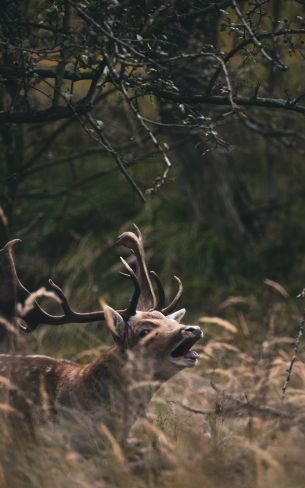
(224, 424)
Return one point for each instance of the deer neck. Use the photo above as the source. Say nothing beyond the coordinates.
(119, 370)
(114, 386)
(107, 370)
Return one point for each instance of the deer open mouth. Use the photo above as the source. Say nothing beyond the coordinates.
(183, 356)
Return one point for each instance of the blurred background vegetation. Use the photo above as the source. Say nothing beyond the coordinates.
(229, 211)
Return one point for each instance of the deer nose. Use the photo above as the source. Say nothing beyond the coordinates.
(194, 329)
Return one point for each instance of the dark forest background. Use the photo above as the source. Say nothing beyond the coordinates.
(99, 98)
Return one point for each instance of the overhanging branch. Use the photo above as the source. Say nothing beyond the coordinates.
(48, 115)
(68, 74)
(273, 103)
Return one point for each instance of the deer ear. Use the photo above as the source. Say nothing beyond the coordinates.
(116, 323)
(178, 316)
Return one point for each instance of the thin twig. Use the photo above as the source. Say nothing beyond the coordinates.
(227, 79)
(255, 41)
(295, 349)
(106, 144)
(249, 406)
(238, 405)
(145, 126)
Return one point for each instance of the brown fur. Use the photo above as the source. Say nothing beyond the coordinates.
(114, 388)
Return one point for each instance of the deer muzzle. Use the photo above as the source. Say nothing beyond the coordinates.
(182, 355)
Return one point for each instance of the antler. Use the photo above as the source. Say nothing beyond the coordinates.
(29, 310)
(161, 295)
(160, 289)
(16, 300)
(12, 290)
(3, 228)
(132, 308)
(37, 315)
(8, 289)
(147, 298)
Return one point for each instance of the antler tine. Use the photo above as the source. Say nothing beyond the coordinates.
(63, 299)
(139, 233)
(38, 315)
(132, 308)
(175, 300)
(11, 243)
(160, 289)
(134, 243)
(8, 282)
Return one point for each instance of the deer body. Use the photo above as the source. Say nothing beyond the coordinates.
(150, 347)
(113, 389)
(40, 388)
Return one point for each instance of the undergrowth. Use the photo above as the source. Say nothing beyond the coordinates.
(224, 424)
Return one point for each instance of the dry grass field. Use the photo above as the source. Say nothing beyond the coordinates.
(223, 424)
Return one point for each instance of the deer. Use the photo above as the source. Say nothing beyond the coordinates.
(150, 346)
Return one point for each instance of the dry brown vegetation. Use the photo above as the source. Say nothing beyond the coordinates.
(226, 423)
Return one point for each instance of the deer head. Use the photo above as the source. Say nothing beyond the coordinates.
(153, 331)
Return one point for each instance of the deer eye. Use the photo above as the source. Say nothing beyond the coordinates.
(144, 332)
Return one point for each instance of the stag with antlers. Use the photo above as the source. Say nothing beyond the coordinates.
(150, 347)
